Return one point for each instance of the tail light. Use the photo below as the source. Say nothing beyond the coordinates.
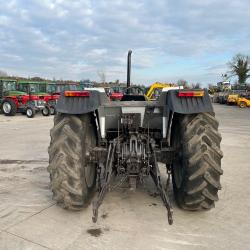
(77, 93)
(191, 93)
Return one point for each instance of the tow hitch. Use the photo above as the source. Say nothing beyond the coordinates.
(132, 158)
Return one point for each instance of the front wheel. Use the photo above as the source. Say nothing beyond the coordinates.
(46, 111)
(197, 168)
(30, 112)
(72, 175)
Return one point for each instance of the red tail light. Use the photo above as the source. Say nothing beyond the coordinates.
(190, 93)
(77, 93)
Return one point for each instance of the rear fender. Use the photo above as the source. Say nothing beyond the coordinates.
(188, 105)
(80, 105)
(175, 106)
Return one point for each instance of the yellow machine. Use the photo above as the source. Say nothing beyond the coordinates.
(243, 102)
(154, 91)
(232, 99)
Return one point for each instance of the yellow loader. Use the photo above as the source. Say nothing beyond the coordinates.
(154, 91)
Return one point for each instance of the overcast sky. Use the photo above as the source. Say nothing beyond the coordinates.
(192, 39)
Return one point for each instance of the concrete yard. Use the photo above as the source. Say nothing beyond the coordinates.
(29, 219)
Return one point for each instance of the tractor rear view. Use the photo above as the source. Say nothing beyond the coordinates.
(94, 141)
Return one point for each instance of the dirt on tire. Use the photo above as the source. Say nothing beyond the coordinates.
(72, 177)
(197, 170)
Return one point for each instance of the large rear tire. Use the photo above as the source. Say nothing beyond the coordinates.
(197, 169)
(9, 107)
(73, 177)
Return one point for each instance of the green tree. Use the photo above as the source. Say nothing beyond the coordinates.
(240, 67)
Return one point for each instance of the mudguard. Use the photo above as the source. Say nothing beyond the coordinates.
(188, 105)
(79, 105)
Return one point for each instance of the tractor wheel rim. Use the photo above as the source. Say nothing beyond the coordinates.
(45, 111)
(6, 108)
(29, 112)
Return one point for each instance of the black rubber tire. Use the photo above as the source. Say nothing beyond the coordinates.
(13, 110)
(242, 104)
(30, 112)
(46, 111)
(197, 169)
(52, 110)
(72, 137)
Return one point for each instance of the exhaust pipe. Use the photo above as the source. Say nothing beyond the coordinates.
(129, 68)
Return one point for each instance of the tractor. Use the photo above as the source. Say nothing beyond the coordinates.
(48, 97)
(95, 141)
(52, 97)
(16, 100)
(37, 89)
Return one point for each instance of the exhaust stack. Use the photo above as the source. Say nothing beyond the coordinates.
(129, 68)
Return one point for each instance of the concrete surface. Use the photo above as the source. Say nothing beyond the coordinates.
(29, 219)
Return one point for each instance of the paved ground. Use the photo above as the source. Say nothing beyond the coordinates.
(29, 219)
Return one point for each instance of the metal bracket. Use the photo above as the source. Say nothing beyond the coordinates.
(108, 172)
(107, 177)
(155, 174)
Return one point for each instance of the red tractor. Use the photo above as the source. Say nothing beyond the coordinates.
(15, 100)
(116, 93)
(48, 92)
(51, 97)
(38, 89)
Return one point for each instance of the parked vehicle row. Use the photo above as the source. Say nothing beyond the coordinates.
(29, 97)
(240, 98)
